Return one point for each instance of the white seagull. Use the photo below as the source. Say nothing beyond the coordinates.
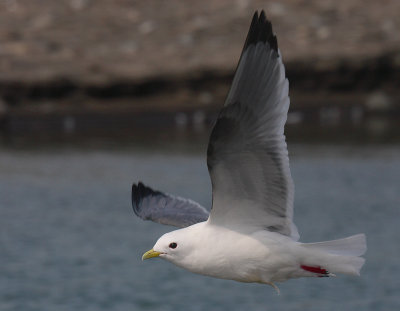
(249, 235)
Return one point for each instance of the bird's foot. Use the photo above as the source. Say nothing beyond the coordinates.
(275, 287)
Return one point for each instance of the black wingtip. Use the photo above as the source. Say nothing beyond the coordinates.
(136, 197)
(139, 192)
(261, 31)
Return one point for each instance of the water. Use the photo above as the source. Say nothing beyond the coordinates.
(69, 239)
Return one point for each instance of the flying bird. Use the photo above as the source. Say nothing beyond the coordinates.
(249, 235)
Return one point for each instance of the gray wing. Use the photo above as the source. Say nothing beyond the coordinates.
(166, 209)
(247, 156)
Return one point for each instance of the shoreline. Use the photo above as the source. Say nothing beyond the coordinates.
(343, 93)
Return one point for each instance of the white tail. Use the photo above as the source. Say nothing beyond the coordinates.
(343, 255)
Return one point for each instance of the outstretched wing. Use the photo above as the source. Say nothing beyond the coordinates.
(247, 156)
(166, 209)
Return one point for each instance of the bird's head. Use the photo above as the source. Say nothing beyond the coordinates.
(173, 246)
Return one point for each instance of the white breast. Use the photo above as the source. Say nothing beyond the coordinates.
(227, 254)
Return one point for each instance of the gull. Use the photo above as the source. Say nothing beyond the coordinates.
(249, 234)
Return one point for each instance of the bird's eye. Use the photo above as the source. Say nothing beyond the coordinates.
(173, 245)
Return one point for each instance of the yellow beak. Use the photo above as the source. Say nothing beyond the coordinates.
(150, 254)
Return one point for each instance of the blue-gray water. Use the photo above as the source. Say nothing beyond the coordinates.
(70, 241)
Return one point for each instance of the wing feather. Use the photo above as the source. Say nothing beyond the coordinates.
(247, 155)
(164, 208)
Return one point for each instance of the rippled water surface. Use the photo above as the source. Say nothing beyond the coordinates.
(69, 239)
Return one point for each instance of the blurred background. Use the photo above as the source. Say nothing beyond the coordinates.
(95, 95)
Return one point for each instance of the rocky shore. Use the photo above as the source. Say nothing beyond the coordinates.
(83, 65)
